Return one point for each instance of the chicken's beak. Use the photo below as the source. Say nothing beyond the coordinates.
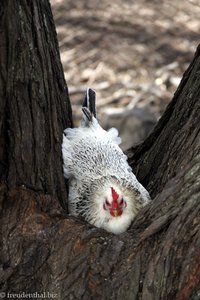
(116, 212)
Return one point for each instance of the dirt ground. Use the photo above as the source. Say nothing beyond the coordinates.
(133, 53)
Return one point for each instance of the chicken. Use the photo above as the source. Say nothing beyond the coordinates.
(102, 187)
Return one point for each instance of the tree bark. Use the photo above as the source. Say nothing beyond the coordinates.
(175, 140)
(34, 104)
(42, 249)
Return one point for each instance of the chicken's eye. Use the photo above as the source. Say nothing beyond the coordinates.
(107, 203)
(121, 202)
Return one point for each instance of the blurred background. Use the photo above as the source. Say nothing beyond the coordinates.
(133, 53)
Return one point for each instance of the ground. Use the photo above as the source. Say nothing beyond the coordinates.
(133, 53)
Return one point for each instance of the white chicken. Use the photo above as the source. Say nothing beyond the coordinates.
(102, 187)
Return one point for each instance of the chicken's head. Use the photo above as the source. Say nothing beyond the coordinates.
(114, 204)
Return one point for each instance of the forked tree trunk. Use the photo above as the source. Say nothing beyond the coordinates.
(44, 251)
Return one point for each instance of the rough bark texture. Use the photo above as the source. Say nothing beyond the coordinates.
(34, 99)
(44, 251)
(175, 140)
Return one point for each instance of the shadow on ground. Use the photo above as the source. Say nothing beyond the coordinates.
(133, 54)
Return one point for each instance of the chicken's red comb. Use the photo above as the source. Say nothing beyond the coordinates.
(115, 196)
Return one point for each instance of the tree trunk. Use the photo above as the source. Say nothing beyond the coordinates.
(175, 140)
(34, 104)
(43, 251)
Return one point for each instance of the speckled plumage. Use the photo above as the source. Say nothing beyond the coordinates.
(93, 163)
